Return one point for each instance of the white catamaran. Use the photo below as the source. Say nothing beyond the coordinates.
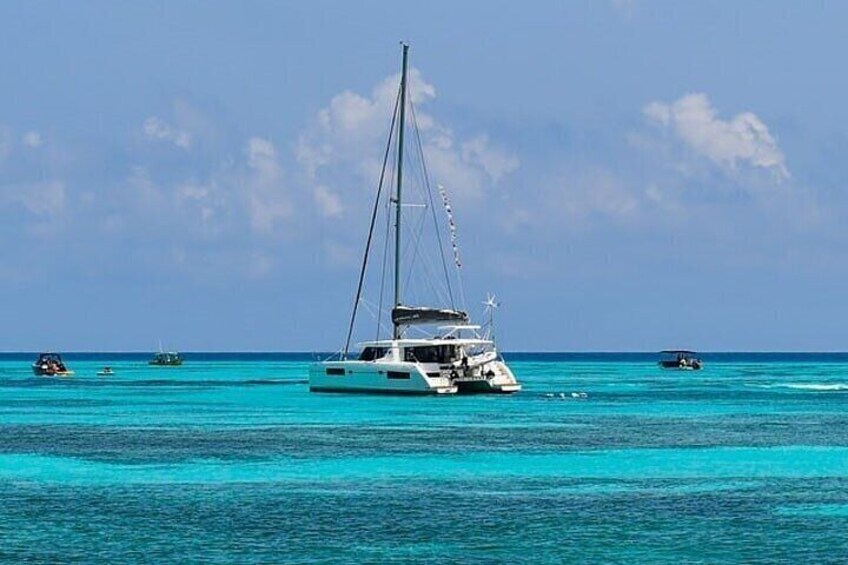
(458, 357)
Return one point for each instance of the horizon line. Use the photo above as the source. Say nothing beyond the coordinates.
(540, 351)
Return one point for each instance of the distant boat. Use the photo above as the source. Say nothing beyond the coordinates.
(105, 372)
(458, 358)
(49, 365)
(680, 359)
(167, 359)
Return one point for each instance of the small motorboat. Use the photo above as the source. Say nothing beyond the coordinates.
(50, 365)
(680, 359)
(167, 359)
(105, 372)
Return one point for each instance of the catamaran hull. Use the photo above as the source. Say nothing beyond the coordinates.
(486, 387)
(393, 392)
(408, 378)
(376, 378)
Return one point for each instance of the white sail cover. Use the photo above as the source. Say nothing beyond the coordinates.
(412, 315)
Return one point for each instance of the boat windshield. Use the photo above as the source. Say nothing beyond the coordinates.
(678, 354)
(49, 357)
(372, 353)
(431, 354)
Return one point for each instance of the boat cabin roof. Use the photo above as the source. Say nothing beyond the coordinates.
(675, 351)
(49, 355)
(424, 342)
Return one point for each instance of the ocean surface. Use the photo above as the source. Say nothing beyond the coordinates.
(230, 459)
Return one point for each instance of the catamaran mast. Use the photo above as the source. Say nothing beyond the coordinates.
(396, 332)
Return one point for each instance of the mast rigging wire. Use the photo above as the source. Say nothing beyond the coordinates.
(371, 230)
(386, 239)
(430, 195)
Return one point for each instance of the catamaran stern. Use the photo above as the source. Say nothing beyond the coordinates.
(492, 378)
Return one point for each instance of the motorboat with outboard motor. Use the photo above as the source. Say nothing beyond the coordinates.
(50, 365)
(680, 359)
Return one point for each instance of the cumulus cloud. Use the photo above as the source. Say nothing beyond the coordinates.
(240, 195)
(351, 128)
(744, 140)
(341, 151)
(24, 181)
(155, 128)
(40, 198)
(262, 158)
(496, 162)
(358, 117)
(268, 202)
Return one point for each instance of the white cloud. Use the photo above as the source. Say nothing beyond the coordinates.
(578, 196)
(158, 129)
(328, 203)
(592, 191)
(44, 198)
(341, 152)
(170, 209)
(742, 140)
(32, 139)
(496, 162)
(262, 158)
(352, 128)
(242, 195)
(268, 202)
(148, 195)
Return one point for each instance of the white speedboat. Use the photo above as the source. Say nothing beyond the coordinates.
(454, 357)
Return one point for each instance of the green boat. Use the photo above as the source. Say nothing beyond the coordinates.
(167, 359)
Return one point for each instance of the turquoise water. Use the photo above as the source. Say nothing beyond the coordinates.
(229, 459)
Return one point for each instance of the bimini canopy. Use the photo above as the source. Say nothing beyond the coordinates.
(413, 315)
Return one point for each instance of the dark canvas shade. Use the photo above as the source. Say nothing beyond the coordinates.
(411, 315)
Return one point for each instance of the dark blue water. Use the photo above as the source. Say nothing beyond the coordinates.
(229, 459)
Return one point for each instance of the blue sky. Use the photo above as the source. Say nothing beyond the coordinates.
(626, 175)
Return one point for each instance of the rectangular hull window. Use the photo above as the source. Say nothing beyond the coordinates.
(335, 371)
(396, 375)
